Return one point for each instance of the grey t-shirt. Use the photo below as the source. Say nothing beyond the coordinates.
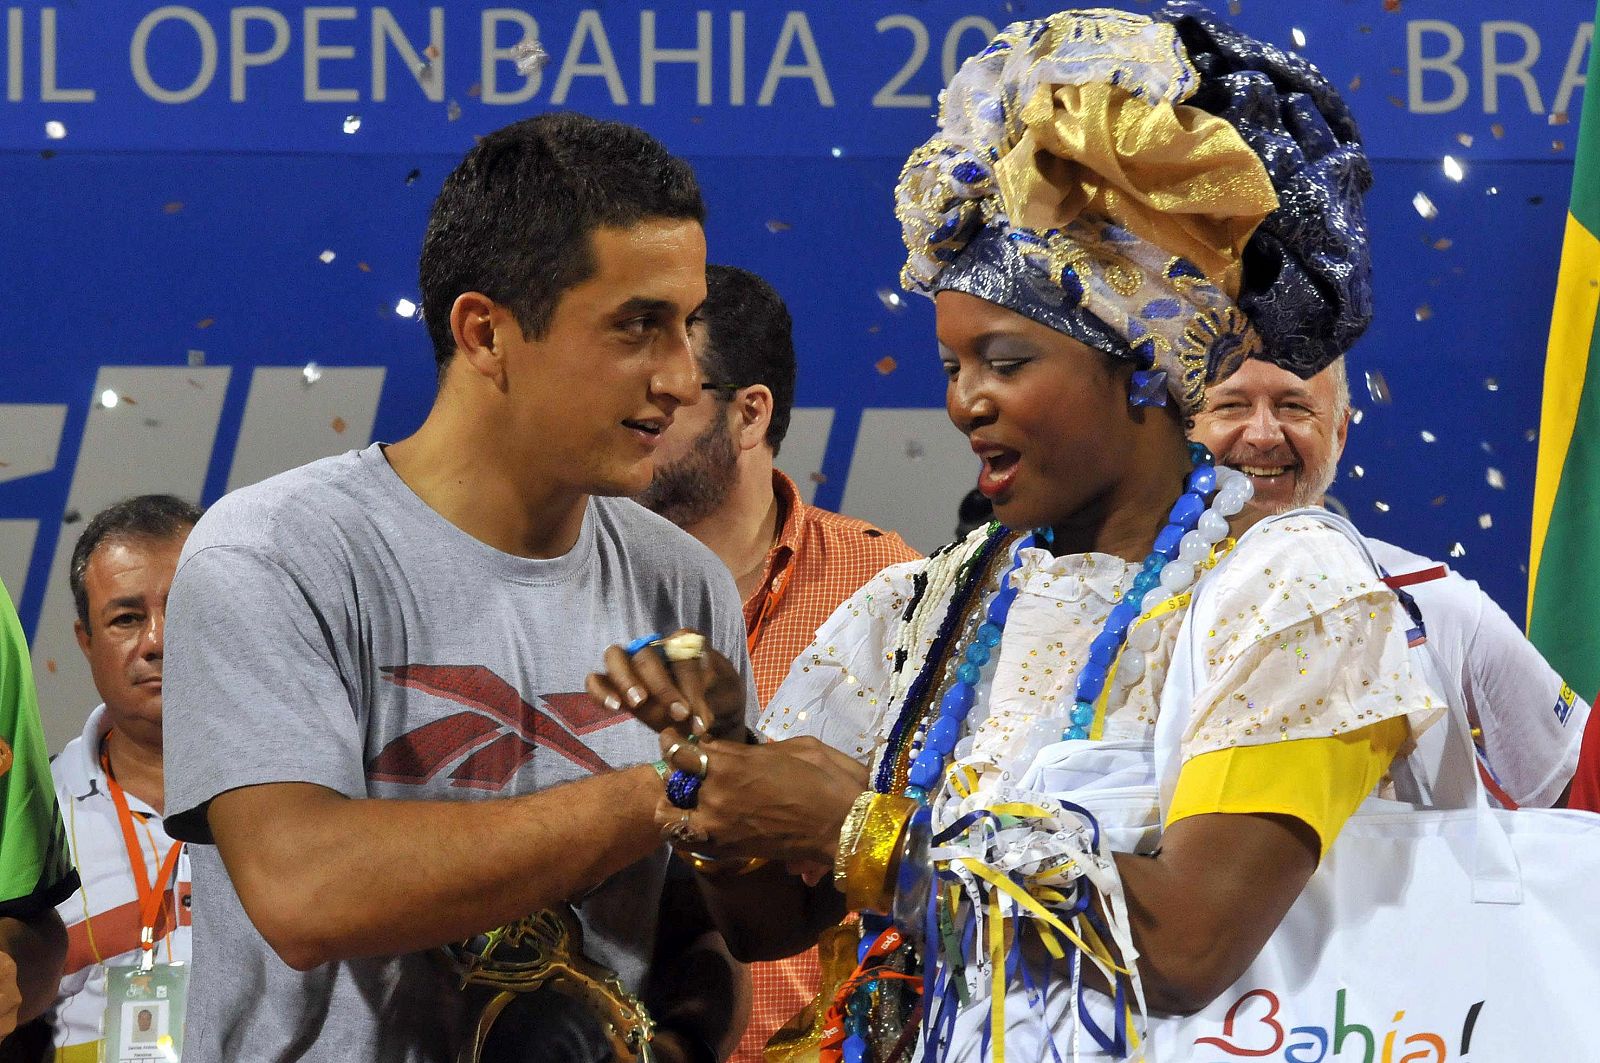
(327, 626)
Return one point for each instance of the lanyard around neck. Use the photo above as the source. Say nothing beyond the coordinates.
(151, 894)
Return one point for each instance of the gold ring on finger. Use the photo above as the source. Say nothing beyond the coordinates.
(672, 750)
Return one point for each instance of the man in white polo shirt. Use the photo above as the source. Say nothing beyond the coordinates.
(1287, 435)
(109, 780)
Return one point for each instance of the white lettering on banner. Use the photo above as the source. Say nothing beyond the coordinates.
(240, 58)
(953, 55)
(494, 55)
(429, 75)
(1418, 64)
(890, 95)
(589, 27)
(796, 28)
(139, 57)
(916, 53)
(316, 52)
(650, 56)
(1424, 57)
(1494, 69)
(49, 91)
(1576, 73)
(736, 58)
(14, 55)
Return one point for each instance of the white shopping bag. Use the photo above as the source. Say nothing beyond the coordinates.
(1454, 931)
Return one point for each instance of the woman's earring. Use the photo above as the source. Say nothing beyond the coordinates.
(1147, 387)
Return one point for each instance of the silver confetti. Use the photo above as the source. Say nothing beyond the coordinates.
(452, 111)
(891, 299)
(1491, 383)
(1485, 521)
(1496, 478)
(311, 373)
(352, 122)
(530, 56)
(776, 226)
(1378, 387)
(1457, 550)
(1381, 507)
(55, 130)
(1429, 437)
(405, 308)
(1453, 169)
(1355, 418)
(326, 257)
(1424, 206)
(1358, 472)
(109, 399)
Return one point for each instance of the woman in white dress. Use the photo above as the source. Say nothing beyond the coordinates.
(1115, 212)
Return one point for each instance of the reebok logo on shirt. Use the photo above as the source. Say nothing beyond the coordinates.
(498, 732)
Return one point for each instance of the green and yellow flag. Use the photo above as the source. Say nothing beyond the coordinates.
(1564, 562)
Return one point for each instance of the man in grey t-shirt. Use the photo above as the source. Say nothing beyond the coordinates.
(375, 663)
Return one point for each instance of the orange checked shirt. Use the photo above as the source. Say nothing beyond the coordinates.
(819, 560)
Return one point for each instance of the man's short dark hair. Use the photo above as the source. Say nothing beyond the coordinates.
(514, 218)
(750, 340)
(153, 518)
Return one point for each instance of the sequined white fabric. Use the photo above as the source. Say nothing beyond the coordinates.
(1307, 644)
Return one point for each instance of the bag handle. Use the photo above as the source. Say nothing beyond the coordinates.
(1496, 874)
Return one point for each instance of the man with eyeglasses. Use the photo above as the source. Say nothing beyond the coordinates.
(793, 563)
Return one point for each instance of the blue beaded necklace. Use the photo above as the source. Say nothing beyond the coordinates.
(927, 769)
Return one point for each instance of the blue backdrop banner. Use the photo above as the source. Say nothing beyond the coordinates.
(213, 213)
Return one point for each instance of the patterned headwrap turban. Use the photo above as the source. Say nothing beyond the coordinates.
(1162, 188)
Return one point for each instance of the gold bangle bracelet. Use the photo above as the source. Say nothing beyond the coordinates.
(874, 864)
(849, 835)
(711, 867)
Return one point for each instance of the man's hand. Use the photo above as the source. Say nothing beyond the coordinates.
(10, 995)
(32, 950)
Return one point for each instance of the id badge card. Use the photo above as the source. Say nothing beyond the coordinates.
(144, 1013)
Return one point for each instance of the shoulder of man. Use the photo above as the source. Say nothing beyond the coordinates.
(650, 540)
(1444, 592)
(885, 547)
(68, 772)
(287, 508)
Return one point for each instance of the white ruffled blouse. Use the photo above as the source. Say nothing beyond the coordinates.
(1307, 643)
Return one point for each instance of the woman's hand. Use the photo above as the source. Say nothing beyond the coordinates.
(784, 801)
(704, 695)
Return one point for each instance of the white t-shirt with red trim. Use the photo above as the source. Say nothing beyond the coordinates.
(102, 917)
(1531, 720)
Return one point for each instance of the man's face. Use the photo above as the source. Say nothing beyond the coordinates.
(697, 462)
(1285, 433)
(127, 582)
(600, 389)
